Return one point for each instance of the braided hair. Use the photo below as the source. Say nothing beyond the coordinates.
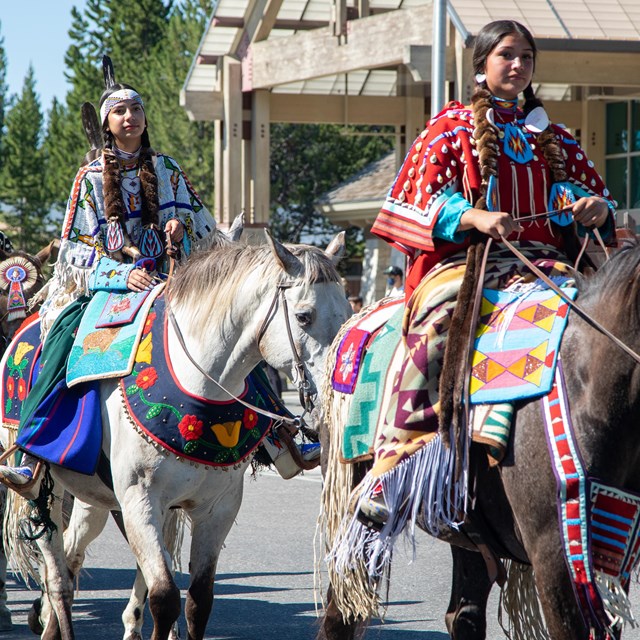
(112, 179)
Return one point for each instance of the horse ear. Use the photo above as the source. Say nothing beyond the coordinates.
(285, 258)
(337, 247)
(50, 252)
(236, 228)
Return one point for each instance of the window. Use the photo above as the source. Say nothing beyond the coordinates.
(622, 153)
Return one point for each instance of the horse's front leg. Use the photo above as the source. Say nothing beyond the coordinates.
(143, 520)
(5, 614)
(58, 582)
(334, 626)
(209, 528)
(133, 615)
(466, 615)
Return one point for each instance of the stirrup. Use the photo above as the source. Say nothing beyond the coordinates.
(29, 490)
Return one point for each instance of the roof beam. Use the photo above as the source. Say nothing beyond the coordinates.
(305, 108)
(373, 42)
(589, 68)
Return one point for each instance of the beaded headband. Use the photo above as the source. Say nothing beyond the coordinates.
(117, 97)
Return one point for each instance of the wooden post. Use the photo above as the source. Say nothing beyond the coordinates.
(231, 140)
(260, 158)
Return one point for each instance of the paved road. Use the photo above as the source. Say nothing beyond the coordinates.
(264, 587)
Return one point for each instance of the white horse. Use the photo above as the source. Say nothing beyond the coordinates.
(233, 307)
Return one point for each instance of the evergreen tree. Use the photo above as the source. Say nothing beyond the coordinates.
(55, 157)
(171, 131)
(306, 162)
(3, 92)
(22, 187)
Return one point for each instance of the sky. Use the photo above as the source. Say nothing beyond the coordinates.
(36, 32)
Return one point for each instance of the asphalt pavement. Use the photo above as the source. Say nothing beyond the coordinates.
(264, 586)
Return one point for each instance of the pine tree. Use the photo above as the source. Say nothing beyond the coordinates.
(22, 186)
(55, 160)
(3, 92)
(171, 131)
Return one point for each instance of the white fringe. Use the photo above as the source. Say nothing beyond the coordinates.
(520, 605)
(424, 486)
(615, 599)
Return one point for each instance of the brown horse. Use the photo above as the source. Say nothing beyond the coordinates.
(513, 512)
(9, 322)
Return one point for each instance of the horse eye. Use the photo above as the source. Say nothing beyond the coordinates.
(304, 318)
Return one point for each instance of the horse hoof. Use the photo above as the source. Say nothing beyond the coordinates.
(33, 619)
(5, 621)
(133, 636)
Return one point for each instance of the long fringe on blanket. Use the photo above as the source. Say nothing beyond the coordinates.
(519, 612)
(422, 490)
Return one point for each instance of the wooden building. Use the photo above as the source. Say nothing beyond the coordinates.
(369, 62)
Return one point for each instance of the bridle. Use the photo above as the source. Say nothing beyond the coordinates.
(301, 378)
(302, 382)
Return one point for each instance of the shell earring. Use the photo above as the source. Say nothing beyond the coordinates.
(480, 77)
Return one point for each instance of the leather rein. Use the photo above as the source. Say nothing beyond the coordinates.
(303, 384)
(552, 285)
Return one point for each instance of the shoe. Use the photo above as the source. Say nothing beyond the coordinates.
(309, 451)
(21, 480)
(374, 512)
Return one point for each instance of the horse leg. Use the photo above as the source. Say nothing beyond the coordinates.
(334, 626)
(466, 614)
(143, 520)
(209, 529)
(133, 615)
(57, 577)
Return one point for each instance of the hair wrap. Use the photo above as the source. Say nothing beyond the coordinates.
(117, 97)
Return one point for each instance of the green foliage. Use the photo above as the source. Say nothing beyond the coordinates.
(3, 92)
(306, 162)
(170, 130)
(22, 189)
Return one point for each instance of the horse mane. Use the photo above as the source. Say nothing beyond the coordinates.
(615, 287)
(217, 274)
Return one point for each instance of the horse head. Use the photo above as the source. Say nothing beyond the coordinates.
(280, 303)
(21, 278)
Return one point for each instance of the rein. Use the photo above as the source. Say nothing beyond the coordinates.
(274, 416)
(574, 305)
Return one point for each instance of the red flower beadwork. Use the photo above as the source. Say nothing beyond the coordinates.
(250, 419)
(147, 378)
(22, 389)
(149, 323)
(190, 427)
(11, 386)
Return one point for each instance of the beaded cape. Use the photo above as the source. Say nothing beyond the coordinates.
(443, 161)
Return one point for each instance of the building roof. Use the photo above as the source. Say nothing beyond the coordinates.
(613, 25)
(370, 183)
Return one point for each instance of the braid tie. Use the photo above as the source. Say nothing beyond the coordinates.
(461, 330)
(112, 187)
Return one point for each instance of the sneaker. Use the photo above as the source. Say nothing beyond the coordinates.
(310, 451)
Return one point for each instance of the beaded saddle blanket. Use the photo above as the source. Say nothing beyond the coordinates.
(109, 334)
(209, 432)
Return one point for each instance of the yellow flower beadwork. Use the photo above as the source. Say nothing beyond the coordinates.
(21, 351)
(227, 433)
(144, 350)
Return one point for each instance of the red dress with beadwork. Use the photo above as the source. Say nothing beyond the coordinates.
(443, 161)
